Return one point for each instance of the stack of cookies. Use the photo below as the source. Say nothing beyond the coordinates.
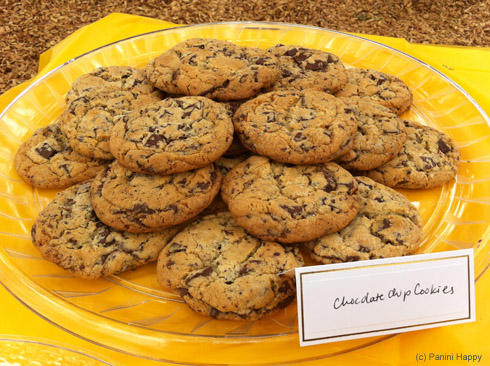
(228, 164)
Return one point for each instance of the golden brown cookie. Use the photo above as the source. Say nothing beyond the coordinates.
(92, 110)
(305, 68)
(380, 135)
(68, 233)
(46, 160)
(224, 272)
(213, 68)
(172, 136)
(298, 127)
(387, 225)
(290, 203)
(110, 79)
(429, 158)
(387, 89)
(135, 202)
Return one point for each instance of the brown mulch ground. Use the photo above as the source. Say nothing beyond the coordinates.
(30, 27)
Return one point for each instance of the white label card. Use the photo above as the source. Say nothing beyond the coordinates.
(352, 300)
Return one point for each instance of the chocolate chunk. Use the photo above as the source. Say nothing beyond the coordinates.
(271, 117)
(364, 249)
(142, 209)
(294, 211)
(291, 52)
(380, 79)
(183, 292)
(318, 65)
(364, 183)
(286, 302)
(443, 147)
(352, 258)
(305, 147)
(214, 88)
(203, 273)
(386, 224)
(285, 288)
(300, 58)
(184, 127)
(172, 207)
(202, 185)
(176, 248)
(429, 162)
(330, 185)
(154, 140)
(46, 151)
(299, 137)
(243, 271)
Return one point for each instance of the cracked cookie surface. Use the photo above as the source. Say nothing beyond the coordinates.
(109, 79)
(387, 225)
(173, 135)
(87, 121)
(290, 203)
(380, 135)
(90, 114)
(428, 158)
(307, 127)
(46, 160)
(213, 68)
(138, 202)
(305, 68)
(387, 89)
(68, 233)
(222, 271)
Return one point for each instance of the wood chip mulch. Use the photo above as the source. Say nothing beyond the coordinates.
(30, 27)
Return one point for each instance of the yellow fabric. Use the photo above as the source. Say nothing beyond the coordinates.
(469, 67)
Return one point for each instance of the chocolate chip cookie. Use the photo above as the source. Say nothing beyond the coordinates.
(88, 120)
(305, 68)
(429, 158)
(387, 225)
(290, 203)
(46, 160)
(298, 127)
(173, 135)
(380, 135)
(213, 68)
(135, 202)
(110, 79)
(222, 271)
(68, 233)
(387, 89)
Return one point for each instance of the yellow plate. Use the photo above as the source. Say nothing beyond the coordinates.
(23, 351)
(130, 313)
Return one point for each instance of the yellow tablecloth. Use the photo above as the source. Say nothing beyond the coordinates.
(469, 67)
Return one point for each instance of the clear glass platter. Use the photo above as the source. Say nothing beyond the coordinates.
(129, 312)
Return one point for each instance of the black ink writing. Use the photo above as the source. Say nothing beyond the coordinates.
(395, 293)
(366, 299)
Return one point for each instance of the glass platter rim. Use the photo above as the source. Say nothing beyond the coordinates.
(259, 25)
